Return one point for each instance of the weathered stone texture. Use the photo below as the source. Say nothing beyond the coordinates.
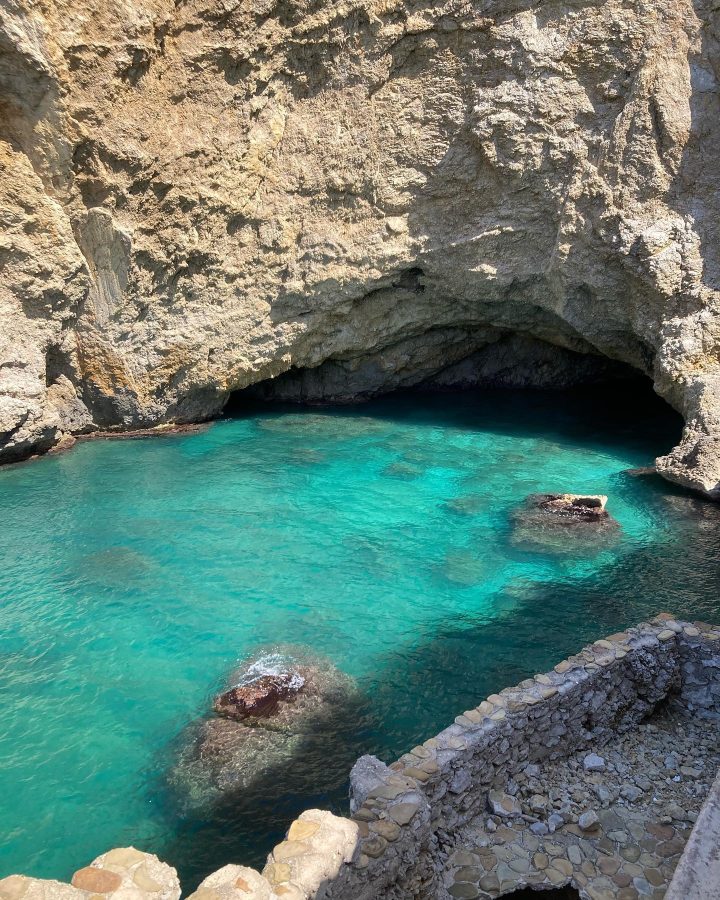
(123, 874)
(698, 873)
(199, 196)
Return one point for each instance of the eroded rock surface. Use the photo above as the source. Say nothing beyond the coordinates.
(197, 196)
(259, 698)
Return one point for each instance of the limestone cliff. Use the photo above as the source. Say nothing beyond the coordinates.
(197, 196)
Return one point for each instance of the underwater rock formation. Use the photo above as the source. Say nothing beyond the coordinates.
(198, 197)
(221, 755)
(564, 523)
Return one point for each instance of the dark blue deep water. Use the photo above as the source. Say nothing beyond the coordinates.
(137, 574)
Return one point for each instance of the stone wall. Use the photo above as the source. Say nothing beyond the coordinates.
(402, 812)
(699, 671)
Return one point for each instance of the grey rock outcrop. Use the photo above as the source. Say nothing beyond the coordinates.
(202, 196)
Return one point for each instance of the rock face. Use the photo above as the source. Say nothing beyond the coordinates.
(196, 197)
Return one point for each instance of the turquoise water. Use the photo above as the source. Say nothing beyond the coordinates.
(137, 574)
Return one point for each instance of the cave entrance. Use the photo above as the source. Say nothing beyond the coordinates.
(514, 361)
(615, 394)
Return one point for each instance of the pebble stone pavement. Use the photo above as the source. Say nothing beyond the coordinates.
(612, 824)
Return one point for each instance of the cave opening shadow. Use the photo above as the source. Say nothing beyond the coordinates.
(602, 412)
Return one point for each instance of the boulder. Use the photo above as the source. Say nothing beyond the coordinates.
(594, 763)
(589, 820)
(259, 698)
(504, 805)
(583, 507)
(564, 524)
(285, 704)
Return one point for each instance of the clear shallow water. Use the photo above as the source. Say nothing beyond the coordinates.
(136, 574)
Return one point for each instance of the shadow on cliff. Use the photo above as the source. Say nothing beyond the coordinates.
(451, 666)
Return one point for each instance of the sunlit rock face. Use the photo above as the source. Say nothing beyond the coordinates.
(197, 196)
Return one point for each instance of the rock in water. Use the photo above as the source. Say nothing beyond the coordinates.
(284, 705)
(574, 506)
(260, 698)
(564, 523)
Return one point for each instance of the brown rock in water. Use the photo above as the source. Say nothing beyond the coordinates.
(573, 506)
(219, 755)
(259, 698)
(565, 524)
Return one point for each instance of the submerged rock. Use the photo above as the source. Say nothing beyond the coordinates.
(564, 523)
(403, 470)
(466, 567)
(284, 706)
(467, 505)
